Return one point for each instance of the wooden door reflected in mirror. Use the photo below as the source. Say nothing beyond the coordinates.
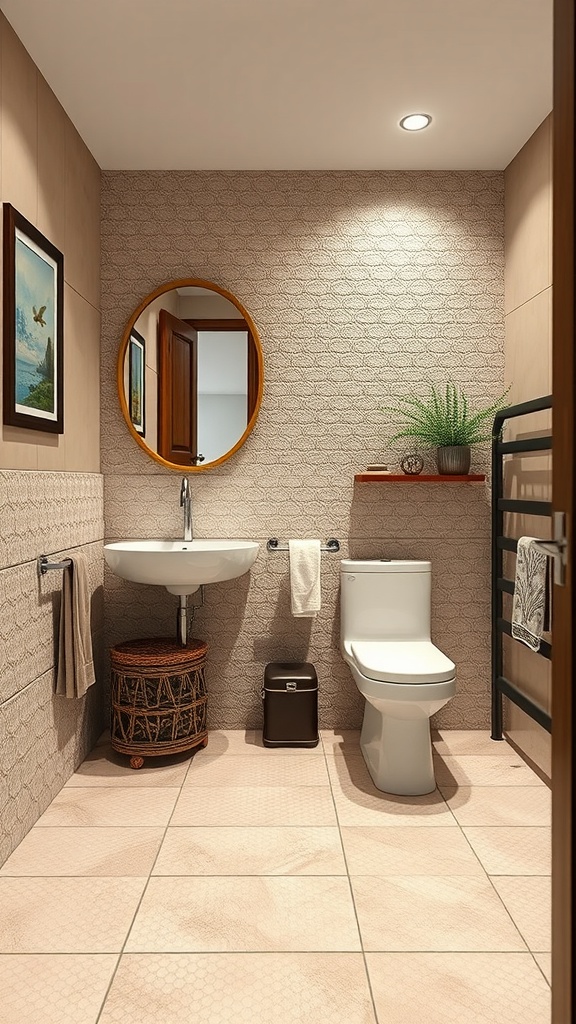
(198, 394)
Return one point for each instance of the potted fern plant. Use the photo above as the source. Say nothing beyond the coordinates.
(446, 421)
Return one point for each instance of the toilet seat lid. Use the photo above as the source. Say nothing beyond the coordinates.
(415, 661)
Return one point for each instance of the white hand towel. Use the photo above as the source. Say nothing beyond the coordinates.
(305, 577)
(75, 661)
(530, 584)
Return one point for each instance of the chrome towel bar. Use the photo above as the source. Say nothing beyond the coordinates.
(331, 545)
(44, 564)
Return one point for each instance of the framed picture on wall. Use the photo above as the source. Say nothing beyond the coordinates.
(137, 382)
(33, 280)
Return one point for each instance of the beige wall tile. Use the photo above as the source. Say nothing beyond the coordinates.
(82, 270)
(51, 165)
(528, 200)
(528, 350)
(81, 365)
(42, 739)
(528, 367)
(49, 176)
(14, 452)
(19, 125)
(43, 513)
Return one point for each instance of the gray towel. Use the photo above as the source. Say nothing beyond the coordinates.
(530, 587)
(75, 661)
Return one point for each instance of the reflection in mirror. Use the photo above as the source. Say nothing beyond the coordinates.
(191, 375)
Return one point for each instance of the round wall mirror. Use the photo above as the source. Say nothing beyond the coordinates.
(190, 374)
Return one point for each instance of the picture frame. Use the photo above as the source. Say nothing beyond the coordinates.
(33, 320)
(137, 381)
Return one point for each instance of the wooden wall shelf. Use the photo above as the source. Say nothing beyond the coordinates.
(420, 478)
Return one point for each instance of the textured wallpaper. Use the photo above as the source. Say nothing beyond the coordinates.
(363, 286)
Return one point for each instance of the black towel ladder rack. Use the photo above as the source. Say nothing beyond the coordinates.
(502, 687)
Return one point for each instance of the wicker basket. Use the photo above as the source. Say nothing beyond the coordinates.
(158, 698)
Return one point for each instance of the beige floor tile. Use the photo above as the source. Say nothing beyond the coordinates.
(266, 805)
(125, 852)
(529, 905)
(103, 767)
(500, 805)
(341, 741)
(544, 961)
(53, 989)
(110, 806)
(512, 851)
(240, 988)
(358, 802)
(402, 851)
(267, 771)
(427, 914)
(251, 851)
(469, 742)
(200, 915)
(484, 771)
(67, 915)
(248, 743)
(458, 988)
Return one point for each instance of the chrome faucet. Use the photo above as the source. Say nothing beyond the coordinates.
(186, 504)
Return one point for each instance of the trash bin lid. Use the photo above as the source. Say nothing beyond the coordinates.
(281, 671)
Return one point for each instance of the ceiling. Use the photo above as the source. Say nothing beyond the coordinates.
(294, 84)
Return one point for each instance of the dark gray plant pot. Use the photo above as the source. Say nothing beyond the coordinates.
(453, 460)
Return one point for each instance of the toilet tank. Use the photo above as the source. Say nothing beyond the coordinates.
(384, 600)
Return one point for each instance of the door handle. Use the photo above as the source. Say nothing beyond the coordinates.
(557, 549)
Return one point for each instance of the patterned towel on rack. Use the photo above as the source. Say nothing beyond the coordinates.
(530, 594)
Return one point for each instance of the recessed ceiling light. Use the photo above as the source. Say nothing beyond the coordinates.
(415, 122)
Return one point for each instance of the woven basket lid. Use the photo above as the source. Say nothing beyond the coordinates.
(162, 651)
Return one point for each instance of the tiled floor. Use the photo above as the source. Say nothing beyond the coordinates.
(257, 886)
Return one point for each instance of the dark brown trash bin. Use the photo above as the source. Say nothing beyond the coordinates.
(290, 699)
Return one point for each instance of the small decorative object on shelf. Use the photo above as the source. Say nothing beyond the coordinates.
(446, 421)
(412, 464)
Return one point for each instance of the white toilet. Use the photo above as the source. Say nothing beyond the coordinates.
(385, 639)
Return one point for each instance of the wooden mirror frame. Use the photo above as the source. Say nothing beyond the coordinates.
(188, 282)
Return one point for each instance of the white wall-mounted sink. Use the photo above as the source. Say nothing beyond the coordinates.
(180, 565)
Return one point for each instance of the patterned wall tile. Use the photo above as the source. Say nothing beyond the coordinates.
(43, 738)
(363, 285)
(29, 616)
(41, 513)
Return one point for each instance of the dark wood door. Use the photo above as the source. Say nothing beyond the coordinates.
(563, 704)
(177, 390)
